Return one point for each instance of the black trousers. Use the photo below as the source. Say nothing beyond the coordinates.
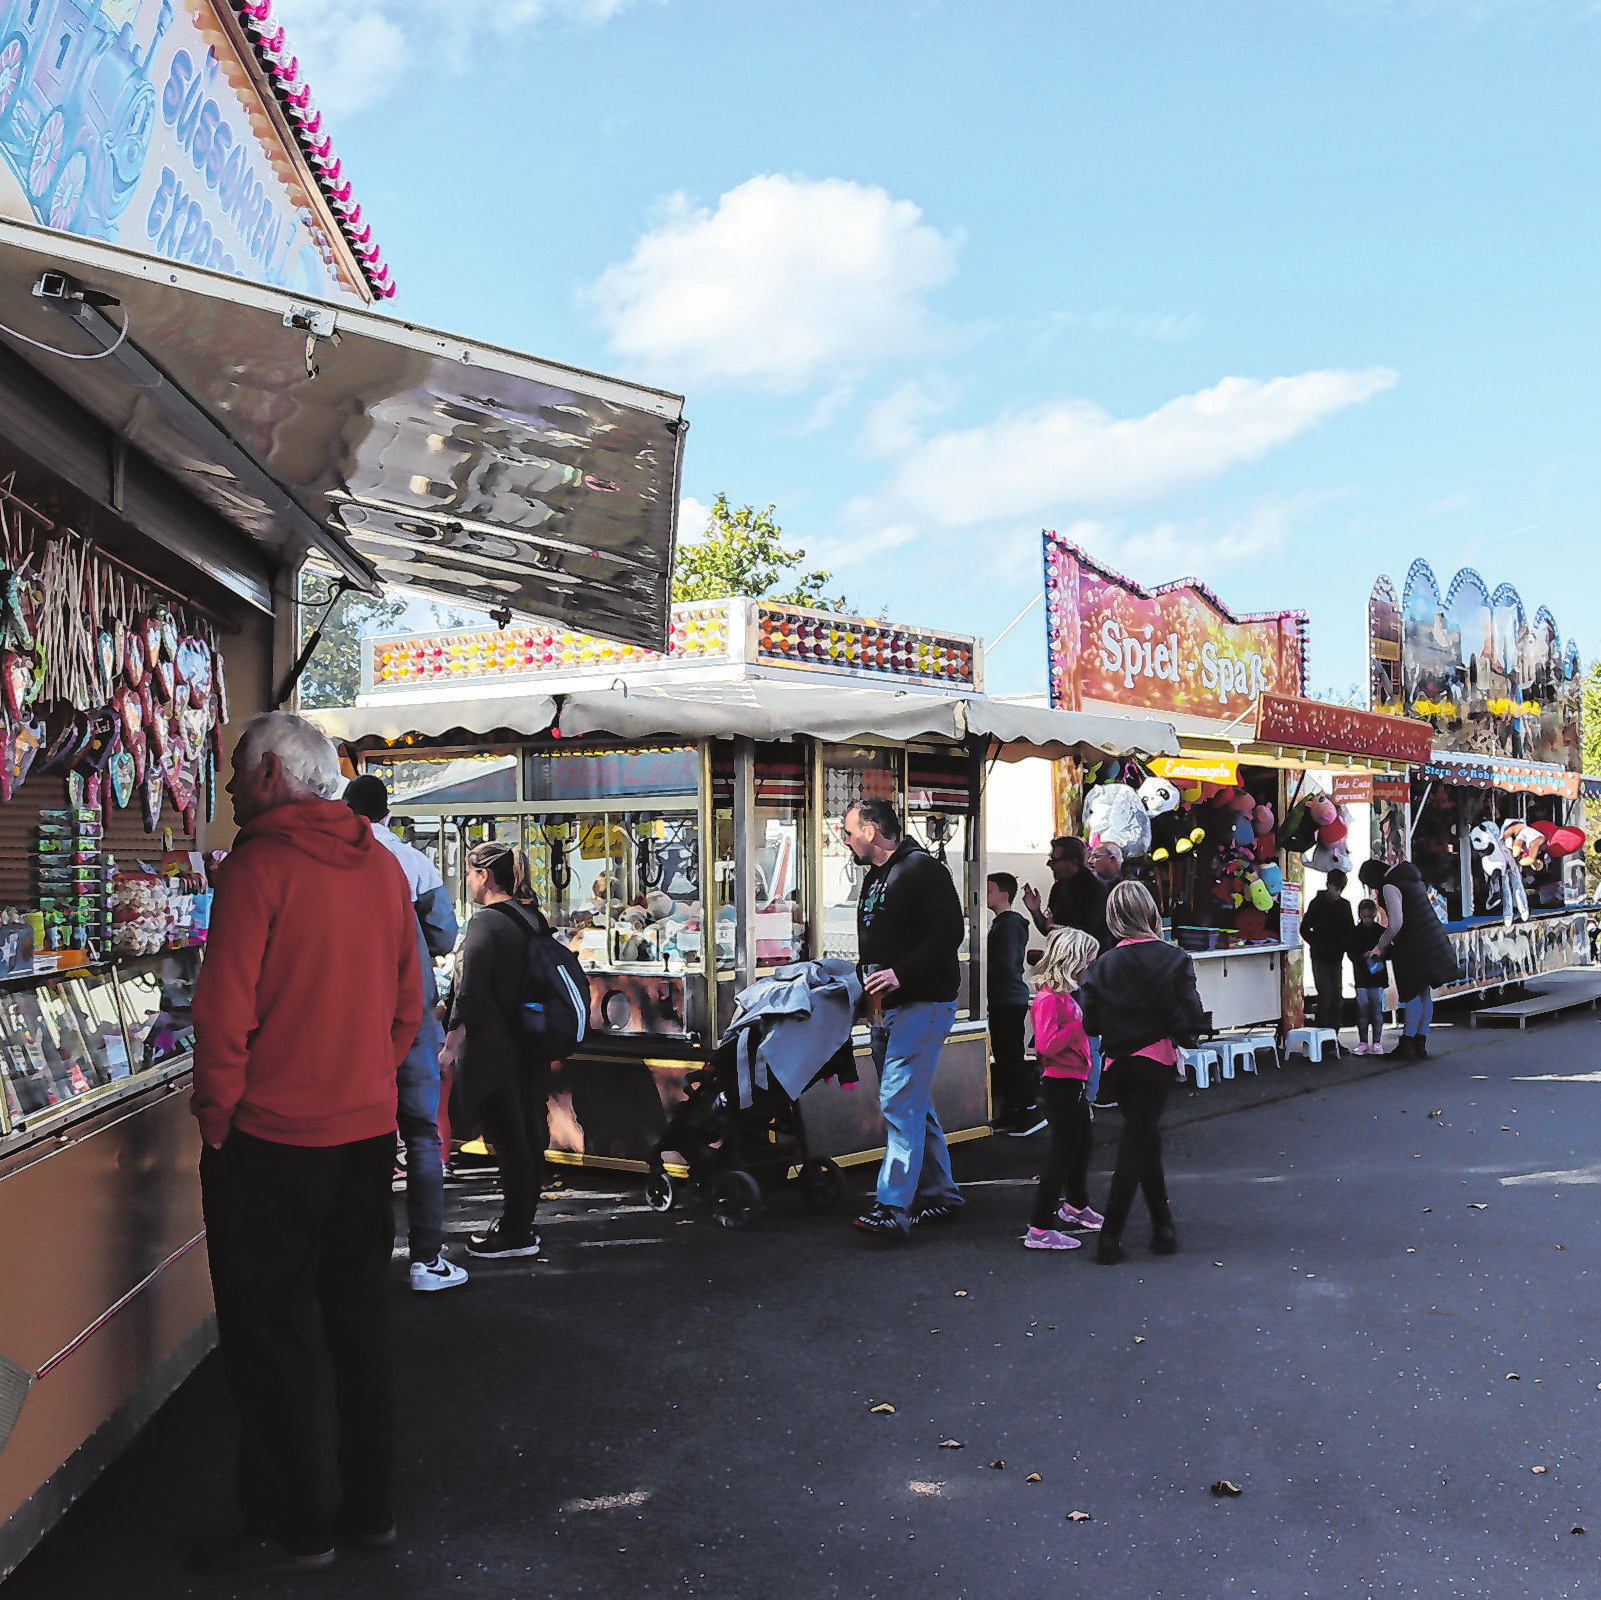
(1065, 1175)
(300, 1240)
(1141, 1087)
(516, 1121)
(1015, 1088)
(1328, 975)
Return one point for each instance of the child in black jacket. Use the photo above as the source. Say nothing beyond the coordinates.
(1139, 997)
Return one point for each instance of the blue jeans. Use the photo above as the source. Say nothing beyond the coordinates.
(1093, 1086)
(417, 1117)
(906, 1049)
(1417, 1014)
(1370, 1015)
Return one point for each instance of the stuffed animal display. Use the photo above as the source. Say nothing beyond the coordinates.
(1501, 871)
(1113, 815)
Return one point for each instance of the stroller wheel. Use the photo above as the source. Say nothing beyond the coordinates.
(822, 1185)
(736, 1199)
(659, 1195)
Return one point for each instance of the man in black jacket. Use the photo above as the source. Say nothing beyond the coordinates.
(909, 927)
(1328, 929)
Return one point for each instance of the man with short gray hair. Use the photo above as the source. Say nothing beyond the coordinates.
(308, 1000)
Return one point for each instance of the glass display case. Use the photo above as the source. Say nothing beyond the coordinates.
(67, 1037)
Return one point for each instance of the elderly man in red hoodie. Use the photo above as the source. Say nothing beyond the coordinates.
(307, 1003)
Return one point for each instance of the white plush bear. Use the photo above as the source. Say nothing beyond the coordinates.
(1501, 873)
(1325, 858)
(1158, 797)
(1113, 815)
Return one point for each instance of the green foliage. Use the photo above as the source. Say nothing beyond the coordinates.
(333, 675)
(743, 553)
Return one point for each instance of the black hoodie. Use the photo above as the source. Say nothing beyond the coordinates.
(910, 918)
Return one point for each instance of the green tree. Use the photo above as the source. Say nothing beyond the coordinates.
(333, 675)
(743, 553)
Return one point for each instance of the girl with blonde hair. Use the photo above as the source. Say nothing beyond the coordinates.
(1063, 1047)
(1138, 998)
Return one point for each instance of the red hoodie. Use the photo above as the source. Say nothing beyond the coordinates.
(308, 998)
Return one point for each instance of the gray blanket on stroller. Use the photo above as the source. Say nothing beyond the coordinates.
(791, 1023)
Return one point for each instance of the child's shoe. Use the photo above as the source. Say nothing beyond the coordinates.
(1084, 1217)
(1049, 1239)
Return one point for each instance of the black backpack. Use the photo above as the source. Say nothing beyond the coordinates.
(552, 1012)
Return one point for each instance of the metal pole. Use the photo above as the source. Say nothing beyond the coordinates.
(744, 863)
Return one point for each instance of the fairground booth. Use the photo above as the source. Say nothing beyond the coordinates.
(175, 443)
(1223, 832)
(681, 813)
(1494, 818)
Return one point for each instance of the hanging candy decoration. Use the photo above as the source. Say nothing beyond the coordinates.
(90, 796)
(30, 740)
(181, 784)
(164, 680)
(130, 708)
(211, 786)
(106, 658)
(220, 679)
(139, 747)
(169, 633)
(150, 799)
(16, 683)
(194, 726)
(133, 657)
(194, 668)
(147, 700)
(123, 776)
(159, 730)
(75, 790)
(16, 621)
(8, 755)
(150, 632)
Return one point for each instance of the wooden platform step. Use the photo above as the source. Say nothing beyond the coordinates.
(1564, 997)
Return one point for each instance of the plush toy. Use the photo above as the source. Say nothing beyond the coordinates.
(1524, 843)
(1162, 805)
(1564, 842)
(1500, 872)
(1325, 858)
(1113, 815)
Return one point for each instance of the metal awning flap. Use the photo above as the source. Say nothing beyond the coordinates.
(399, 454)
(764, 710)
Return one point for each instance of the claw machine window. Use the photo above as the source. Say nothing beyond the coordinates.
(850, 773)
(938, 811)
(780, 858)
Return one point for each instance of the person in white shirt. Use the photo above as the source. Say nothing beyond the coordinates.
(418, 1114)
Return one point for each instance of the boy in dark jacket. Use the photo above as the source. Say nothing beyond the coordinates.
(1016, 1087)
(1327, 929)
(909, 927)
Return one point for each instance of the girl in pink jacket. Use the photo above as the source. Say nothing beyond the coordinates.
(1063, 1200)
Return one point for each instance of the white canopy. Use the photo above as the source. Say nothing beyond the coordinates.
(763, 709)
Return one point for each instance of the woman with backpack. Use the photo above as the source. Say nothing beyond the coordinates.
(499, 1079)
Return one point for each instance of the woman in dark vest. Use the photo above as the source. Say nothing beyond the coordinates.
(1415, 943)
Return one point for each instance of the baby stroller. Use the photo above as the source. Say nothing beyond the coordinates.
(740, 1130)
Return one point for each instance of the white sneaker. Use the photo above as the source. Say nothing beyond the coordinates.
(439, 1273)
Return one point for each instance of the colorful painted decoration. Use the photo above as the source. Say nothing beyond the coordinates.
(150, 799)
(123, 775)
(133, 658)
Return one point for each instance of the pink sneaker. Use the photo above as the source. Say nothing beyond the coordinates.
(1049, 1239)
(1088, 1219)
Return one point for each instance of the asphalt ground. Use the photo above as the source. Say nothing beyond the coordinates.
(1381, 1326)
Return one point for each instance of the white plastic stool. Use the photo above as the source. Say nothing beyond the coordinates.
(1234, 1053)
(1253, 1042)
(1200, 1062)
(1311, 1041)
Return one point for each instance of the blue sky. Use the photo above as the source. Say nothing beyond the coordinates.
(1277, 296)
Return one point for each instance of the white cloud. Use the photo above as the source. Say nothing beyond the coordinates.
(694, 519)
(1070, 454)
(789, 282)
(1460, 501)
(356, 52)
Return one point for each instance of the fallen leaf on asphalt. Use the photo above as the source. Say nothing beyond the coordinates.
(1050, 1327)
(1410, 1251)
(1561, 1247)
(933, 1330)
(1512, 1375)
(686, 1222)
(1033, 1477)
(1427, 1210)
(1217, 1263)
(1478, 1205)
(885, 1410)
(1539, 1469)
(961, 1294)
(1079, 1516)
(999, 1466)
(1225, 1490)
(1437, 1113)
(1575, 1530)
(950, 1444)
(1139, 1338)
